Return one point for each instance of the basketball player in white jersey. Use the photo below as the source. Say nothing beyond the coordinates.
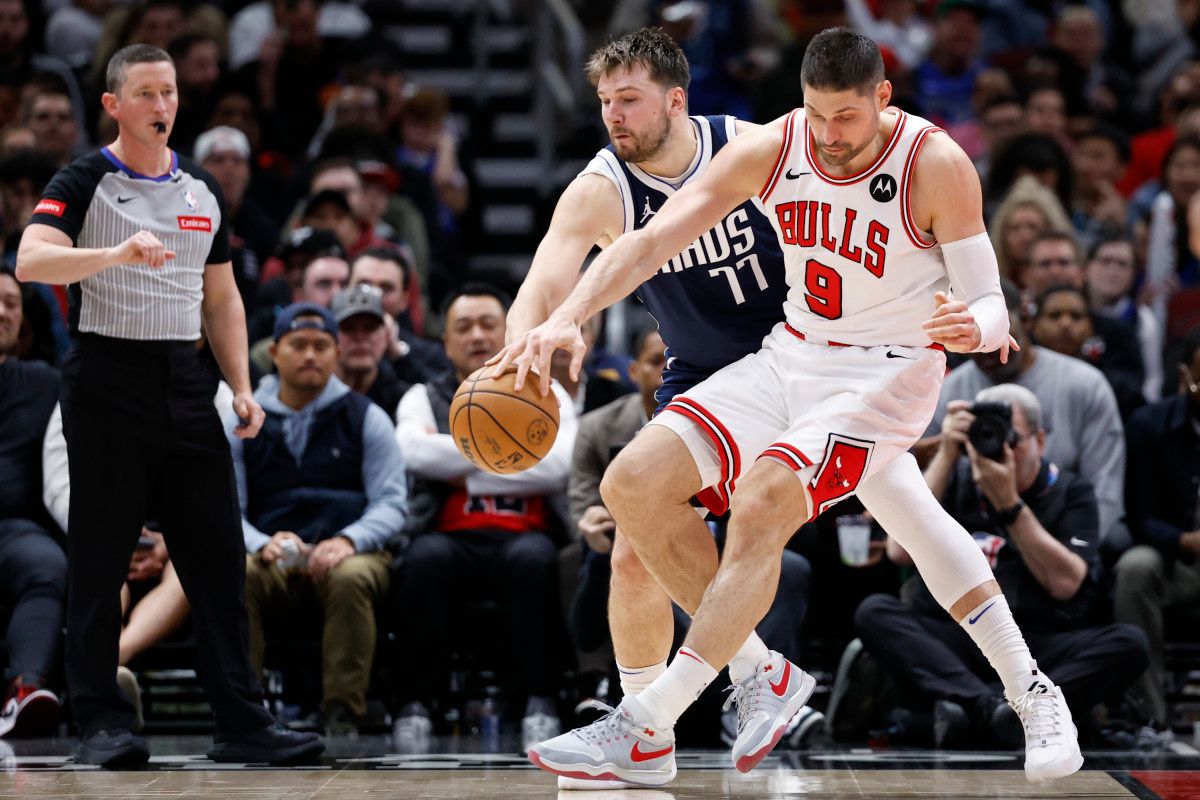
(881, 216)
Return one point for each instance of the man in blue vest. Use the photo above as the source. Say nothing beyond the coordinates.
(322, 490)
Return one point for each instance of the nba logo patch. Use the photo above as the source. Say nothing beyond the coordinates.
(190, 199)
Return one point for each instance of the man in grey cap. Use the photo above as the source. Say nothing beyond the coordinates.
(225, 152)
(362, 346)
(322, 491)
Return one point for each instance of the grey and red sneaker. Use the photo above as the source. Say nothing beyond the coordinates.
(29, 710)
(620, 746)
(766, 703)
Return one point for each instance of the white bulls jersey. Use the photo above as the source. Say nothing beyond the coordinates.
(860, 272)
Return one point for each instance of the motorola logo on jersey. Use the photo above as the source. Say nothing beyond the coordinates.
(883, 188)
(731, 237)
(808, 223)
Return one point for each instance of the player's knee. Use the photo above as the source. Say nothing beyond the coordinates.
(770, 498)
(628, 571)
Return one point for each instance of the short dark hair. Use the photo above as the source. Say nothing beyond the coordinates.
(643, 336)
(1110, 133)
(838, 59)
(1109, 234)
(388, 253)
(133, 54)
(650, 47)
(1191, 344)
(474, 289)
(1052, 235)
(1059, 288)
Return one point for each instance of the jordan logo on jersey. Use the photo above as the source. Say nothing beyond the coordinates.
(647, 212)
(883, 188)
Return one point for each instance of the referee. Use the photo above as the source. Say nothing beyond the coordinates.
(139, 234)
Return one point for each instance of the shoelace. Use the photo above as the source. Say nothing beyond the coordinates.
(1039, 713)
(743, 695)
(606, 727)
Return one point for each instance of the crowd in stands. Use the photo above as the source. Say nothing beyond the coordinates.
(347, 195)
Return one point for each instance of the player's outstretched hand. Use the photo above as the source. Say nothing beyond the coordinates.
(143, 248)
(535, 349)
(953, 326)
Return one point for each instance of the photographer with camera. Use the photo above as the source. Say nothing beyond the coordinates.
(1037, 525)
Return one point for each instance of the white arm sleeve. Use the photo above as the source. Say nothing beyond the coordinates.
(975, 278)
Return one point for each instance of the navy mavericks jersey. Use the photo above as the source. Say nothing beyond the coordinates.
(715, 301)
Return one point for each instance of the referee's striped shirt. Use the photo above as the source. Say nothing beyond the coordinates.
(100, 202)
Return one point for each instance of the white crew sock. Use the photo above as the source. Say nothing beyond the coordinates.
(746, 660)
(671, 693)
(992, 627)
(634, 680)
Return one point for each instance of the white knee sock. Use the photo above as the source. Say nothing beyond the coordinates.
(635, 679)
(665, 700)
(991, 626)
(746, 660)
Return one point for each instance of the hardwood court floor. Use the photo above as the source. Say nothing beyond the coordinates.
(364, 769)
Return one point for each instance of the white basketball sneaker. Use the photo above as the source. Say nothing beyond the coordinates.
(766, 703)
(1051, 741)
(622, 746)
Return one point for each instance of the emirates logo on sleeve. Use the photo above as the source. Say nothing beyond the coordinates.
(55, 207)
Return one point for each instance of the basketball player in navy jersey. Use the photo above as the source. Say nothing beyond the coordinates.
(714, 302)
(880, 215)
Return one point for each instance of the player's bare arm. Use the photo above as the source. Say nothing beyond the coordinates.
(225, 325)
(588, 213)
(46, 255)
(948, 204)
(736, 174)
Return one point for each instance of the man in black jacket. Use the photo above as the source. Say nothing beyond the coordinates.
(1038, 526)
(33, 566)
(1162, 480)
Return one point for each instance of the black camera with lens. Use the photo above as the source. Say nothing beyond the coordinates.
(992, 429)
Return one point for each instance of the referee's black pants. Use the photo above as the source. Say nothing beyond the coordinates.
(142, 434)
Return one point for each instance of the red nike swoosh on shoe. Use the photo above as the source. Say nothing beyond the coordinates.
(781, 687)
(639, 755)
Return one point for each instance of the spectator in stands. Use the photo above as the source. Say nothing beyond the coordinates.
(1038, 526)
(362, 347)
(22, 178)
(1110, 274)
(1046, 114)
(414, 358)
(1160, 573)
(322, 491)
(1028, 210)
(1054, 259)
(1100, 157)
(253, 25)
(1079, 413)
(20, 61)
(598, 384)
(897, 25)
(197, 69)
(73, 30)
(49, 116)
(15, 138)
(1030, 154)
(392, 216)
(225, 152)
(1062, 322)
(945, 82)
(1079, 33)
(483, 536)
(1171, 263)
(428, 143)
(329, 210)
(270, 171)
(1001, 119)
(33, 566)
(322, 278)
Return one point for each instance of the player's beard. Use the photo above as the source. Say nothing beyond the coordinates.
(845, 158)
(645, 147)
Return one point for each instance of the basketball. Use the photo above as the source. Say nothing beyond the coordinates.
(498, 429)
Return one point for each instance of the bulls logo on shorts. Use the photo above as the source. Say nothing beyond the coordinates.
(845, 463)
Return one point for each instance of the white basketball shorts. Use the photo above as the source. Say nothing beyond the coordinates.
(834, 414)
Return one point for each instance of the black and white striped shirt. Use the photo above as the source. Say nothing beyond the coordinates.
(100, 202)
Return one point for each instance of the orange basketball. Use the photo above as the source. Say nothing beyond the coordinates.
(500, 430)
